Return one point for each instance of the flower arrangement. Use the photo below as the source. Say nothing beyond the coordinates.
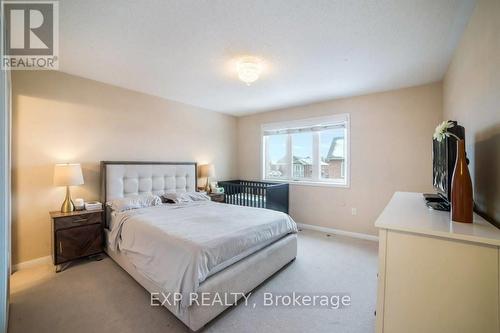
(441, 131)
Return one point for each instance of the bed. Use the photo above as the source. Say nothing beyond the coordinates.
(191, 248)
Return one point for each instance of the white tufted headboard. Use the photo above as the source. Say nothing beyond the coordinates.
(122, 179)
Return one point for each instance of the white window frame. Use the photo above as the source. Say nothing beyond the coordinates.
(343, 118)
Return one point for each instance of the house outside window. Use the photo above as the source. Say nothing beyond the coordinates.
(311, 151)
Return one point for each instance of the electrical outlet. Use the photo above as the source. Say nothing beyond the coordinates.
(354, 211)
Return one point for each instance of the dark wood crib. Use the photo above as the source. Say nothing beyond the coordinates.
(256, 194)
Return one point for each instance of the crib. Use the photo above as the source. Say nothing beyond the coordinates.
(256, 194)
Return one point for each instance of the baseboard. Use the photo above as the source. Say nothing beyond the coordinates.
(32, 263)
(338, 232)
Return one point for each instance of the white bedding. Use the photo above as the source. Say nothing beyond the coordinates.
(178, 246)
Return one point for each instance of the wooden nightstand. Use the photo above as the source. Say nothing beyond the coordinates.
(76, 235)
(217, 197)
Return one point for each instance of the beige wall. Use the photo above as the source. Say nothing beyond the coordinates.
(391, 140)
(63, 118)
(472, 97)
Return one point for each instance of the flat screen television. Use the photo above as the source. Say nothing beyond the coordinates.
(444, 154)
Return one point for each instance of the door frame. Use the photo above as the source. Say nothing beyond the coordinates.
(5, 194)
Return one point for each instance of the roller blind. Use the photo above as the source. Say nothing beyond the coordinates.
(305, 125)
(303, 129)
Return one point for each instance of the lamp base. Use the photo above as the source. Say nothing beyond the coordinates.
(67, 205)
(207, 186)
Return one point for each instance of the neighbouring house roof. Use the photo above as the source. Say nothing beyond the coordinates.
(336, 151)
(299, 160)
(302, 160)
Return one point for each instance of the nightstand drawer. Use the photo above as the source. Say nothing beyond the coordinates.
(78, 242)
(77, 220)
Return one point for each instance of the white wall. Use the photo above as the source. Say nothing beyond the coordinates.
(391, 140)
(472, 97)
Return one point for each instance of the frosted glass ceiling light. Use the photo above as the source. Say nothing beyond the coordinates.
(249, 71)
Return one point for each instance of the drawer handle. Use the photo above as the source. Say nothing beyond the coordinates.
(79, 220)
(60, 247)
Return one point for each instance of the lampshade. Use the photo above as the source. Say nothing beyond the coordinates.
(68, 175)
(207, 170)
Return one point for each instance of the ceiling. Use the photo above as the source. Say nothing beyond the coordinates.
(313, 50)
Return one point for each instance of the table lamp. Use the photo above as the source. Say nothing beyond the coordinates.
(207, 170)
(68, 175)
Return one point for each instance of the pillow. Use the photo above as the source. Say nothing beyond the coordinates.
(134, 202)
(186, 197)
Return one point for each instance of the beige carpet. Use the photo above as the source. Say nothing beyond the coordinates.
(99, 296)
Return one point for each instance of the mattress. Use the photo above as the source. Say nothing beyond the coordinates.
(180, 246)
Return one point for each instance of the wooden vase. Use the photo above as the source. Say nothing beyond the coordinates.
(461, 188)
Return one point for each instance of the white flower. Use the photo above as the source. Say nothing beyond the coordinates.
(441, 131)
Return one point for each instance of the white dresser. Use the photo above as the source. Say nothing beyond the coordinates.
(436, 275)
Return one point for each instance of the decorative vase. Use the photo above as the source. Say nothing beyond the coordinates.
(461, 188)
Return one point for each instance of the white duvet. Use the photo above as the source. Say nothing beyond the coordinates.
(178, 246)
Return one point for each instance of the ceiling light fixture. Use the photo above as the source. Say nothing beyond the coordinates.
(249, 70)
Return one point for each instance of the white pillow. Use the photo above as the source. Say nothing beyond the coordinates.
(134, 202)
(186, 197)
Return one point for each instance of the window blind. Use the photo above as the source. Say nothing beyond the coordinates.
(306, 129)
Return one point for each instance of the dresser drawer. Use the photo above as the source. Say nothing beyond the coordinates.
(77, 220)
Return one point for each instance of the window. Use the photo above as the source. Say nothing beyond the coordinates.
(302, 152)
(309, 151)
(276, 164)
